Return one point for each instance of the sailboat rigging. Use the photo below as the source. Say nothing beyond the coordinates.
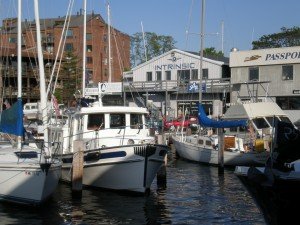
(27, 174)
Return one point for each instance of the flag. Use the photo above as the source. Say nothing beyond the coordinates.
(7, 104)
(55, 105)
(287, 143)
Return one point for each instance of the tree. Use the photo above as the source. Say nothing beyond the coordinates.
(155, 45)
(286, 38)
(212, 52)
(71, 77)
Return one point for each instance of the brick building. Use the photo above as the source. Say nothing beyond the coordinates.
(51, 29)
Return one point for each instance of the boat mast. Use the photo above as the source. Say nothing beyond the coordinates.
(201, 50)
(41, 74)
(84, 50)
(19, 139)
(109, 44)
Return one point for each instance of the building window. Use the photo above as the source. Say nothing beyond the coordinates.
(105, 37)
(287, 72)
(288, 102)
(168, 75)
(89, 60)
(149, 76)
(88, 37)
(183, 75)
(105, 61)
(158, 75)
(105, 49)
(69, 47)
(69, 33)
(89, 48)
(253, 74)
(12, 40)
(204, 73)
(89, 76)
(194, 74)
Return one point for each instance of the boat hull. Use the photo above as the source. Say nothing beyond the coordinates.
(209, 155)
(278, 197)
(28, 183)
(122, 168)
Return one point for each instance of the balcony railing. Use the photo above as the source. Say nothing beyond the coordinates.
(211, 85)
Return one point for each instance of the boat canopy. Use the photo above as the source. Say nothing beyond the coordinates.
(207, 122)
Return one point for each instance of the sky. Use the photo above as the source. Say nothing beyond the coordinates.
(244, 20)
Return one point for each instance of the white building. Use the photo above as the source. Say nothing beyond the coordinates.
(170, 81)
(280, 66)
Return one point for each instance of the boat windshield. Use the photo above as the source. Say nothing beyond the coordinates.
(260, 123)
(285, 119)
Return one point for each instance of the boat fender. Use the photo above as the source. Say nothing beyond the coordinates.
(130, 142)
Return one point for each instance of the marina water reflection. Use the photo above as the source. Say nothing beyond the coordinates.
(195, 194)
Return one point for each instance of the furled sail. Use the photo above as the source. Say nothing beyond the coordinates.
(12, 119)
(207, 122)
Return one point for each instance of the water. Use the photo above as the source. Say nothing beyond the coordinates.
(195, 194)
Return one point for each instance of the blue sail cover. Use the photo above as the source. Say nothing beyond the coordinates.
(207, 122)
(12, 119)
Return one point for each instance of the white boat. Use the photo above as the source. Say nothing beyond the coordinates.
(246, 145)
(119, 152)
(276, 185)
(203, 148)
(27, 174)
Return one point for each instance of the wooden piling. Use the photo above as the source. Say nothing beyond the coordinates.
(77, 167)
(221, 151)
(162, 173)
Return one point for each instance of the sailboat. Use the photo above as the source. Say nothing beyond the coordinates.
(240, 147)
(27, 174)
(119, 152)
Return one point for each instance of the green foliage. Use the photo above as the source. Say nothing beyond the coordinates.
(288, 37)
(212, 52)
(155, 45)
(72, 77)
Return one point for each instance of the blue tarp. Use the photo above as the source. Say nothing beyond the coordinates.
(12, 119)
(207, 122)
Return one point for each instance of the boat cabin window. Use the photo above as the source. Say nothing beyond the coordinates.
(200, 142)
(271, 120)
(238, 129)
(136, 121)
(95, 121)
(260, 123)
(285, 119)
(208, 143)
(117, 121)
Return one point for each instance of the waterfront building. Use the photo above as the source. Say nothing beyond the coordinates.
(51, 29)
(170, 82)
(278, 66)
